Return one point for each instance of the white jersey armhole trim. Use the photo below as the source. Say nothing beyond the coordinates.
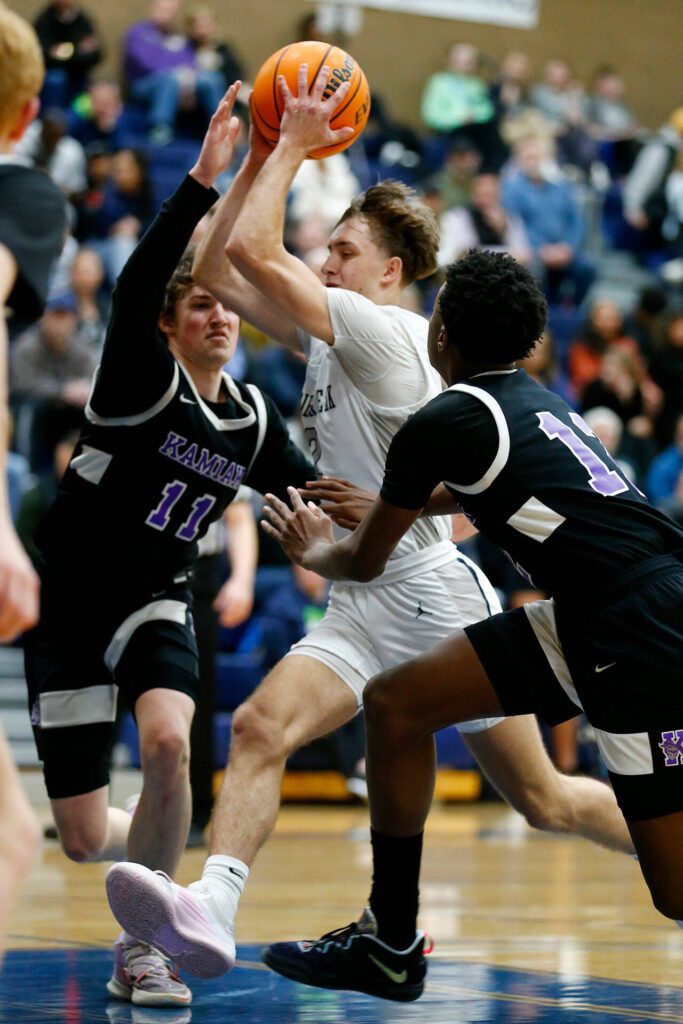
(503, 452)
(262, 417)
(141, 417)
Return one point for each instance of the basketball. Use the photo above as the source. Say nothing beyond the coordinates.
(266, 99)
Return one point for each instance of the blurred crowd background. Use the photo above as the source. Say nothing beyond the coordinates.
(511, 153)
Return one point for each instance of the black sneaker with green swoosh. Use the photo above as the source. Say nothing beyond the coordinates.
(353, 958)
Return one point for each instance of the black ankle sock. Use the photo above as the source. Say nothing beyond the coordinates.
(395, 881)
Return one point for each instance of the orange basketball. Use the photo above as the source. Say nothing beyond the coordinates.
(266, 99)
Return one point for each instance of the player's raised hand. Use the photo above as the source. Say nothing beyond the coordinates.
(219, 142)
(342, 501)
(305, 122)
(300, 530)
(259, 148)
(19, 586)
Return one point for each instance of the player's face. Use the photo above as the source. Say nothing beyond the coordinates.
(354, 261)
(204, 330)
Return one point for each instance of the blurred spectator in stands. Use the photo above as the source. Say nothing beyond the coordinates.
(666, 368)
(673, 506)
(47, 144)
(603, 330)
(43, 492)
(511, 93)
(561, 99)
(608, 427)
(393, 146)
(547, 202)
(162, 74)
(665, 469)
(456, 102)
(211, 55)
(612, 122)
(483, 223)
(18, 471)
(647, 320)
(71, 49)
(98, 162)
(647, 200)
(544, 367)
(87, 280)
(323, 189)
(126, 208)
(99, 116)
(453, 182)
(621, 387)
(51, 368)
(53, 359)
(60, 278)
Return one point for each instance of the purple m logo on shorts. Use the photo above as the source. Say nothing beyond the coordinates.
(672, 747)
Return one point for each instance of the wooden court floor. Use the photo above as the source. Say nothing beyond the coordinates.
(526, 927)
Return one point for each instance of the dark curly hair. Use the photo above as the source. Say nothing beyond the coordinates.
(402, 225)
(491, 307)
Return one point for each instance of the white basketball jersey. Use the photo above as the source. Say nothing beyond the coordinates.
(358, 393)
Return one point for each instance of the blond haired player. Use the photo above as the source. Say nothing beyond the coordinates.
(32, 222)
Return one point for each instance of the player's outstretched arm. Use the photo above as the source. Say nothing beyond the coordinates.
(256, 244)
(305, 534)
(235, 599)
(213, 269)
(347, 505)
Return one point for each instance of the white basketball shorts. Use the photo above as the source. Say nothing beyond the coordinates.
(368, 628)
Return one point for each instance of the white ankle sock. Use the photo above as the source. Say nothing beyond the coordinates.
(224, 878)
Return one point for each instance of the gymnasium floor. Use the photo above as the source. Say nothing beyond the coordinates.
(527, 928)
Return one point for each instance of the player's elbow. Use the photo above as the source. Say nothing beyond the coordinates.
(365, 570)
(242, 251)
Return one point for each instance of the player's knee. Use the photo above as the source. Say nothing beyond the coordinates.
(542, 810)
(165, 754)
(668, 900)
(382, 705)
(82, 842)
(255, 727)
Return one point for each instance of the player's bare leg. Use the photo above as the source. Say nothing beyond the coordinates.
(382, 953)
(658, 843)
(89, 829)
(300, 700)
(515, 761)
(19, 836)
(161, 822)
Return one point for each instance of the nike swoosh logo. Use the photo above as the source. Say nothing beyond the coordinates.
(601, 668)
(187, 401)
(234, 871)
(397, 977)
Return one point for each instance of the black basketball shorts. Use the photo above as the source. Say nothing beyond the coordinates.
(620, 660)
(81, 660)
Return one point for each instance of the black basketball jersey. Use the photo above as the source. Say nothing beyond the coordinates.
(156, 463)
(533, 477)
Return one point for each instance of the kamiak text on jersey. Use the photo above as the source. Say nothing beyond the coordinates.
(202, 461)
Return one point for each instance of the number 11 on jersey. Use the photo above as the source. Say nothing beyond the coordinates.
(601, 478)
(160, 517)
